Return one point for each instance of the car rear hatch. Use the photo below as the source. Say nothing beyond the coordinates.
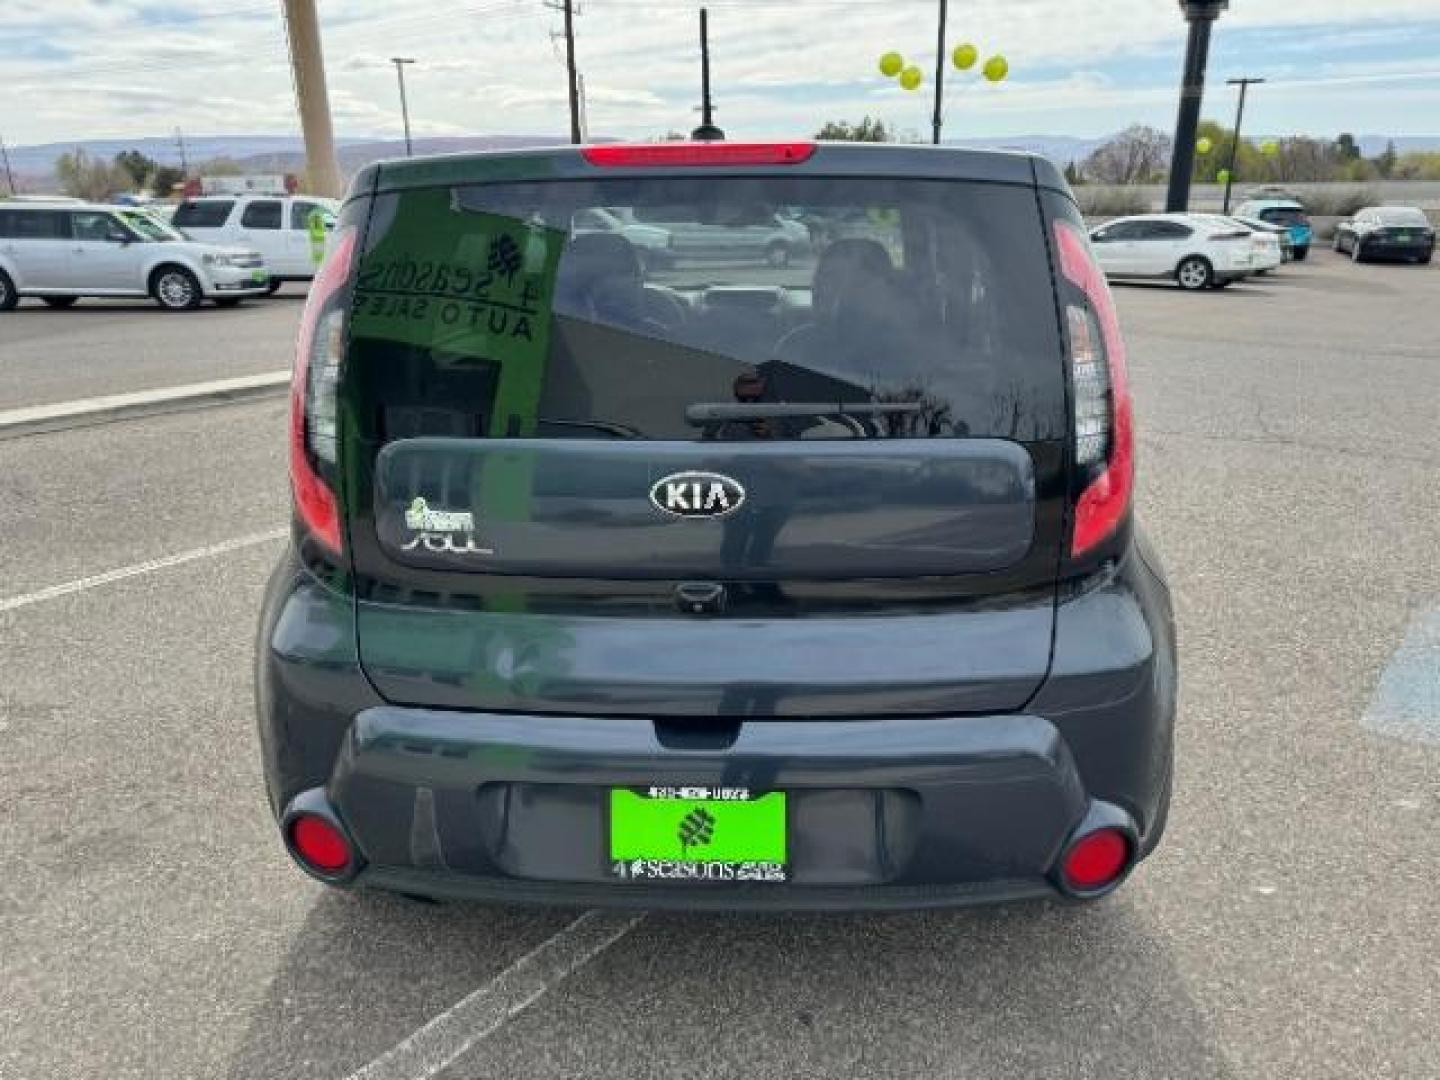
(829, 483)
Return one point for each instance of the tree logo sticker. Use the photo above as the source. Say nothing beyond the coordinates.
(697, 828)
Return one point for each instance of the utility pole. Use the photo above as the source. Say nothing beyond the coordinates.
(5, 156)
(940, 72)
(1244, 85)
(184, 162)
(571, 72)
(1201, 14)
(707, 131)
(307, 60)
(400, 62)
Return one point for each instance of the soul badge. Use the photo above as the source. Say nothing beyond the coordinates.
(445, 532)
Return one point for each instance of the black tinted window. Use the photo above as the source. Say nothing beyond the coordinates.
(486, 310)
(34, 225)
(209, 214)
(1283, 216)
(300, 214)
(261, 215)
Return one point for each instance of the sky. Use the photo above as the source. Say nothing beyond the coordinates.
(79, 69)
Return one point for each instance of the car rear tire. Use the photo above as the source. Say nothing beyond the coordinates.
(60, 301)
(176, 289)
(1301, 254)
(273, 286)
(1357, 252)
(1195, 273)
(1424, 260)
(8, 296)
(777, 254)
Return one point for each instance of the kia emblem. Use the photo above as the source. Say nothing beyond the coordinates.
(697, 495)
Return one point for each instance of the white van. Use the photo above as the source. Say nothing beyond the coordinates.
(289, 231)
(61, 251)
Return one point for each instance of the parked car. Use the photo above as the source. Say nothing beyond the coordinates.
(651, 242)
(816, 587)
(1265, 250)
(744, 234)
(289, 231)
(1387, 232)
(1195, 251)
(1280, 232)
(60, 252)
(1287, 212)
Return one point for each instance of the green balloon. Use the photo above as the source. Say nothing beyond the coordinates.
(1204, 145)
(965, 56)
(1223, 176)
(996, 68)
(891, 64)
(911, 78)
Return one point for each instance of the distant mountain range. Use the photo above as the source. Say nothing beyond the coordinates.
(35, 165)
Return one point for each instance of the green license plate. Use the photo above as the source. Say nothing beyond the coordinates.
(697, 834)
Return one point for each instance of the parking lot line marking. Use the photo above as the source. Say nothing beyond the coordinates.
(54, 592)
(442, 1041)
(1406, 702)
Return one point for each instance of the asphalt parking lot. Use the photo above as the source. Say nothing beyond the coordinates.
(152, 927)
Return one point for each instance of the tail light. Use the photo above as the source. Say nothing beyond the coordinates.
(1095, 860)
(319, 844)
(1104, 417)
(314, 398)
(642, 155)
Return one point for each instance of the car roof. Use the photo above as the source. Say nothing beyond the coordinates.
(1272, 202)
(828, 159)
(58, 204)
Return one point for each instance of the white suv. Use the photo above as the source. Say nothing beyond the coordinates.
(1196, 251)
(61, 251)
(288, 230)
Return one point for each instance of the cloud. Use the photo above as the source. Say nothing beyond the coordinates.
(492, 66)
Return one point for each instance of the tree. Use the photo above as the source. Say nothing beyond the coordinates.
(867, 130)
(1385, 163)
(1137, 155)
(85, 177)
(1073, 176)
(1347, 148)
(137, 166)
(164, 179)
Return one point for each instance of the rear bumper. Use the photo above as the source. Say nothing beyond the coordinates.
(894, 812)
(925, 811)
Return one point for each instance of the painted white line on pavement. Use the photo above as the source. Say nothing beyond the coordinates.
(54, 592)
(1406, 703)
(480, 1014)
(39, 418)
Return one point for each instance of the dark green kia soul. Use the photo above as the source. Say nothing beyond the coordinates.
(715, 525)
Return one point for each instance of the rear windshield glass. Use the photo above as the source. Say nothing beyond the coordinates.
(1283, 215)
(210, 214)
(1402, 216)
(709, 308)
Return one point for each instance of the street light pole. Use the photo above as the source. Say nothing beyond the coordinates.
(1244, 85)
(9, 176)
(939, 119)
(1201, 14)
(400, 62)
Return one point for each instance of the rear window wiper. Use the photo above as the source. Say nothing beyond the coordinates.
(719, 412)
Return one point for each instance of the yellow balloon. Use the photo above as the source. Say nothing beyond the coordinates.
(1204, 145)
(891, 64)
(996, 68)
(965, 56)
(911, 78)
(1270, 149)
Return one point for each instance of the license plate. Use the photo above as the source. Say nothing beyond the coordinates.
(697, 834)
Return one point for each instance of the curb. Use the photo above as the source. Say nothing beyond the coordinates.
(87, 412)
